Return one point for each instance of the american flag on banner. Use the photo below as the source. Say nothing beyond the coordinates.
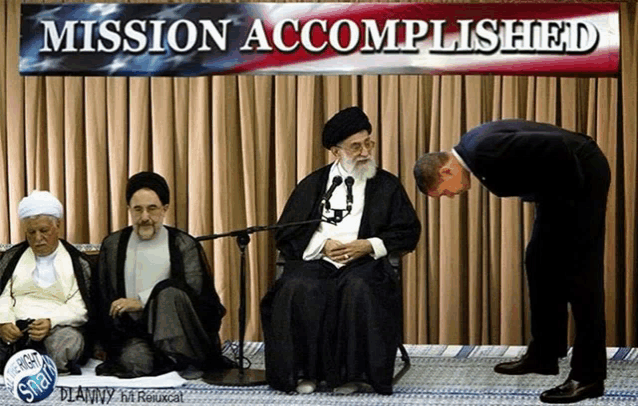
(191, 39)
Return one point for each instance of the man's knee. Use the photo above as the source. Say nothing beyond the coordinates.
(64, 345)
(356, 286)
(359, 291)
(172, 294)
(299, 284)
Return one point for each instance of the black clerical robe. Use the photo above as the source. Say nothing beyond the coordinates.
(189, 273)
(338, 325)
(568, 177)
(82, 269)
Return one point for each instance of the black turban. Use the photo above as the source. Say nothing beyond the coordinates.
(343, 124)
(150, 180)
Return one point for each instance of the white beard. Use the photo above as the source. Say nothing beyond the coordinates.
(361, 170)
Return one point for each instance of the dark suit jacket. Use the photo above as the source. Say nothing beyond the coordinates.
(524, 158)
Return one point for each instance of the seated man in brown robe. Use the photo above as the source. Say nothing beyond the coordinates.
(158, 308)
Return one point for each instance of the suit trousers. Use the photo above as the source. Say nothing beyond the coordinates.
(564, 265)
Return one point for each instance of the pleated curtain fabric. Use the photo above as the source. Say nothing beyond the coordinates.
(232, 149)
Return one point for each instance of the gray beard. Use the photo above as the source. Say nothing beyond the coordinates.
(362, 171)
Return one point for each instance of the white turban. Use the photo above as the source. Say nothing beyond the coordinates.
(40, 203)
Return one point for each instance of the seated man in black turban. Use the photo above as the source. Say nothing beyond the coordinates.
(157, 304)
(335, 314)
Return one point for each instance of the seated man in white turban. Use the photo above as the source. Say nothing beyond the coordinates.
(45, 289)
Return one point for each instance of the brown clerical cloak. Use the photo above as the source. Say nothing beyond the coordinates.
(196, 333)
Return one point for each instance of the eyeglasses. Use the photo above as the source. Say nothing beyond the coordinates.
(356, 147)
(152, 210)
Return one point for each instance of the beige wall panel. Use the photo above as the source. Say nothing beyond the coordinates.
(388, 132)
(285, 138)
(77, 227)
(453, 249)
(233, 148)
(370, 104)
(629, 80)
(139, 124)
(408, 153)
(180, 150)
(15, 105)
(96, 164)
(55, 136)
(473, 108)
(117, 138)
(34, 135)
(163, 136)
(606, 137)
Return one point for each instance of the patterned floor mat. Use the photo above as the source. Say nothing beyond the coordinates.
(439, 375)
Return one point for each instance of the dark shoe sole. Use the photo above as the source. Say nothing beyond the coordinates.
(547, 371)
(562, 400)
(572, 400)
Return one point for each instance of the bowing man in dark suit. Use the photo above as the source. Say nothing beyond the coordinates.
(567, 176)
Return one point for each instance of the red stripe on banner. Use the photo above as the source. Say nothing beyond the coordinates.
(605, 62)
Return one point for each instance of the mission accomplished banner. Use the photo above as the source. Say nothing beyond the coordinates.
(311, 38)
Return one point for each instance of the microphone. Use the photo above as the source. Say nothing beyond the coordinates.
(349, 183)
(336, 181)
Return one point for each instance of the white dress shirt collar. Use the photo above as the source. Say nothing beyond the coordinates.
(457, 156)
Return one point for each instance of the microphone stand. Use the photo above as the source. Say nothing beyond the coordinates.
(243, 376)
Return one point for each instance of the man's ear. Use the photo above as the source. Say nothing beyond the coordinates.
(445, 171)
(166, 207)
(335, 151)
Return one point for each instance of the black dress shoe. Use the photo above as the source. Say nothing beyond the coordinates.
(573, 391)
(528, 365)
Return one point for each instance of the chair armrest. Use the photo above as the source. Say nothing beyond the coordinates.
(395, 260)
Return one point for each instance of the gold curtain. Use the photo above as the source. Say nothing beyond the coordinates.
(233, 147)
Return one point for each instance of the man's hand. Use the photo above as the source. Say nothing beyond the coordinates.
(9, 332)
(39, 329)
(345, 253)
(122, 305)
(329, 247)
